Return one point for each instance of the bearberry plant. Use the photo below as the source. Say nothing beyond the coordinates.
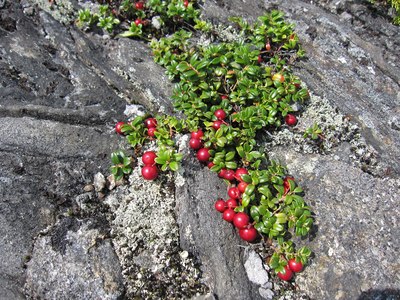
(230, 92)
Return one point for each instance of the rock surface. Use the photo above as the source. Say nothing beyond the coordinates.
(62, 91)
(76, 258)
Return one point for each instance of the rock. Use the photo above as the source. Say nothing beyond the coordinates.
(62, 92)
(203, 232)
(266, 293)
(146, 239)
(73, 262)
(99, 182)
(354, 243)
(255, 270)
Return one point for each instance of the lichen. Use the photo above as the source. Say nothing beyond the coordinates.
(336, 130)
(146, 239)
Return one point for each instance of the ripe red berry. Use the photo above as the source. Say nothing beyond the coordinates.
(286, 184)
(197, 134)
(138, 22)
(150, 122)
(203, 155)
(186, 3)
(241, 220)
(228, 215)
(223, 97)
(259, 59)
(210, 165)
(229, 175)
(118, 127)
(195, 144)
(290, 120)
(231, 203)
(239, 172)
(217, 124)
(242, 186)
(220, 205)
(151, 131)
(148, 158)
(149, 172)
(286, 275)
(221, 173)
(220, 114)
(268, 46)
(297, 85)
(139, 5)
(248, 234)
(295, 266)
(234, 193)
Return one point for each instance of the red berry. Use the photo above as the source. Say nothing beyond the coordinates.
(222, 173)
(242, 186)
(248, 234)
(197, 134)
(149, 172)
(268, 46)
(150, 122)
(241, 220)
(229, 175)
(203, 155)
(234, 193)
(186, 3)
(148, 158)
(286, 275)
(228, 215)
(297, 85)
(151, 131)
(239, 172)
(118, 127)
(139, 5)
(220, 114)
(295, 266)
(195, 144)
(138, 22)
(217, 124)
(260, 59)
(286, 184)
(231, 203)
(210, 165)
(220, 205)
(223, 97)
(290, 120)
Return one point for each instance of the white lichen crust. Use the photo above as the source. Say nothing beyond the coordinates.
(146, 239)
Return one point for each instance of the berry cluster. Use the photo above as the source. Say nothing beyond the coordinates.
(229, 93)
(140, 16)
(293, 266)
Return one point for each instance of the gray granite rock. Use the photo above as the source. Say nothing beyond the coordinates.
(73, 261)
(204, 233)
(61, 92)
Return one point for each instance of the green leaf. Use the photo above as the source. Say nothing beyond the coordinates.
(231, 165)
(265, 191)
(249, 189)
(246, 178)
(240, 151)
(160, 160)
(182, 67)
(174, 166)
(115, 158)
(245, 200)
(230, 156)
